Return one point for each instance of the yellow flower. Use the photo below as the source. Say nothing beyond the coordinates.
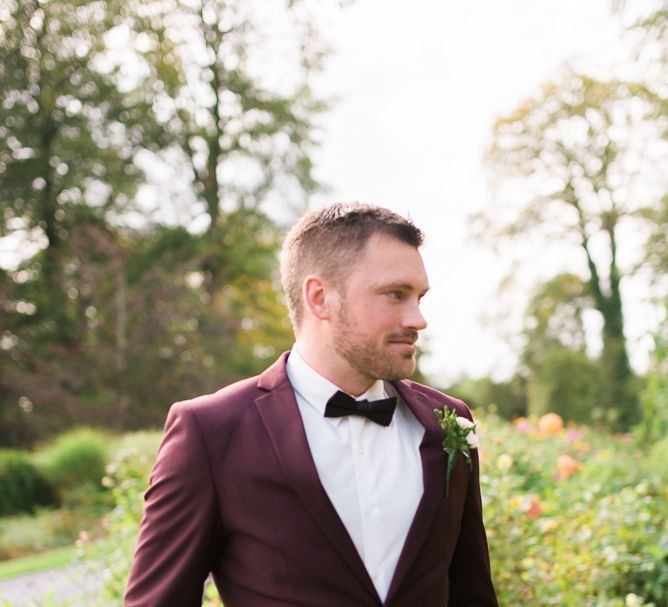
(548, 525)
(504, 462)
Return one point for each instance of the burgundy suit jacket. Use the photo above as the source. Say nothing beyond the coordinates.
(234, 491)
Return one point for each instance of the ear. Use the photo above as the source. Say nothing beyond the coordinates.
(317, 296)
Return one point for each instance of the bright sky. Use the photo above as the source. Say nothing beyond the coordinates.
(419, 85)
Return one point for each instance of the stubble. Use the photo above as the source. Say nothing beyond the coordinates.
(371, 355)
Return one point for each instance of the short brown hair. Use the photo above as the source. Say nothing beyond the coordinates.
(329, 241)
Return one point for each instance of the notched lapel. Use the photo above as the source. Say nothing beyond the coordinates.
(433, 475)
(280, 415)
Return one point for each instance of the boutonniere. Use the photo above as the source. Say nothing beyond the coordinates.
(458, 437)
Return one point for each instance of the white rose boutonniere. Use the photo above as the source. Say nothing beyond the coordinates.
(458, 437)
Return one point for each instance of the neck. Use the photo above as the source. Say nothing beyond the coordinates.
(320, 356)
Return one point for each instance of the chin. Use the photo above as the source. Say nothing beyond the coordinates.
(403, 371)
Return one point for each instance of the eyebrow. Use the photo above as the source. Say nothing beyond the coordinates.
(406, 286)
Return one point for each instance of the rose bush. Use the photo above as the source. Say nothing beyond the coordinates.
(576, 517)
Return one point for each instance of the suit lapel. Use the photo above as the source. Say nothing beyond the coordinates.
(433, 474)
(281, 418)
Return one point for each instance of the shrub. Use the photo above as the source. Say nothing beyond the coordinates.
(27, 534)
(22, 486)
(593, 535)
(75, 459)
(127, 478)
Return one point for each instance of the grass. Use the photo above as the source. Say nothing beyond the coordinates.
(46, 539)
(53, 559)
(37, 562)
(24, 535)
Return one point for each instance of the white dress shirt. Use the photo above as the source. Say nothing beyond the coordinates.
(371, 473)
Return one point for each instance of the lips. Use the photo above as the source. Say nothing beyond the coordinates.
(404, 339)
(406, 345)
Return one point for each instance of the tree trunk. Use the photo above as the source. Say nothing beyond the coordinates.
(618, 394)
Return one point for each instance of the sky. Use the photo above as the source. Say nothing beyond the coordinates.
(418, 86)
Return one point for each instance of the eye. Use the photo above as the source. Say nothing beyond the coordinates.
(398, 295)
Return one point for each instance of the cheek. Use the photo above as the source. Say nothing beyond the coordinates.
(384, 320)
(374, 317)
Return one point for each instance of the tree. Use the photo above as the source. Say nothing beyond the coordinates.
(68, 134)
(579, 161)
(244, 135)
(561, 377)
(92, 93)
(149, 331)
(650, 33)
(507, 398)
(656, 246)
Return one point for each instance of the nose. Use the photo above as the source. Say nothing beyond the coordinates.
(414, 318)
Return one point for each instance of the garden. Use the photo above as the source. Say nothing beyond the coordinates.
(152, 157)
(575, 516)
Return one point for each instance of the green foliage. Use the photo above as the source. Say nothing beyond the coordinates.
(654, 397)
(75, 459)
(127, 477)
(44, 530)
(569, 146)
(52, 559)
(153, 330)
(152, 309)
(22, 486)
(83, 504)
(68, 131)
(566, 382)
(48, 600)
(68, 138)
(656, 245)
(591, 533)
(507, 398)
(586, 535)
(456, 439)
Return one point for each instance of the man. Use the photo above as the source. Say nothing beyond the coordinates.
(289, 491)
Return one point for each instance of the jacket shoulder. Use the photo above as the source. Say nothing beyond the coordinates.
(227, 403)
(439, 399)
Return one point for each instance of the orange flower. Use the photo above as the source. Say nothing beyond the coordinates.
(550, 424)
(566, 465)
(534, 507)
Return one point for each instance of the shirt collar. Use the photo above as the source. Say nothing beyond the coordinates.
(315, 389)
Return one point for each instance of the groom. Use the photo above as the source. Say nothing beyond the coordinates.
(321, 482)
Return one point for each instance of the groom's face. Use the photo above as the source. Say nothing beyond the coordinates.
(378, 318)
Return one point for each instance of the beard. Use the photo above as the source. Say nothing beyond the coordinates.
(372, 355)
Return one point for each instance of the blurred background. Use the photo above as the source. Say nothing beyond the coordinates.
(153, 153)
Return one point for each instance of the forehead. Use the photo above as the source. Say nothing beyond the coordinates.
(387, 260)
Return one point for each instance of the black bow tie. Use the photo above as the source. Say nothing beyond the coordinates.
(379, 411)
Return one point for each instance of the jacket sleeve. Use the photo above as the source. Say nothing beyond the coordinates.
(470, 575)
(177, 538)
